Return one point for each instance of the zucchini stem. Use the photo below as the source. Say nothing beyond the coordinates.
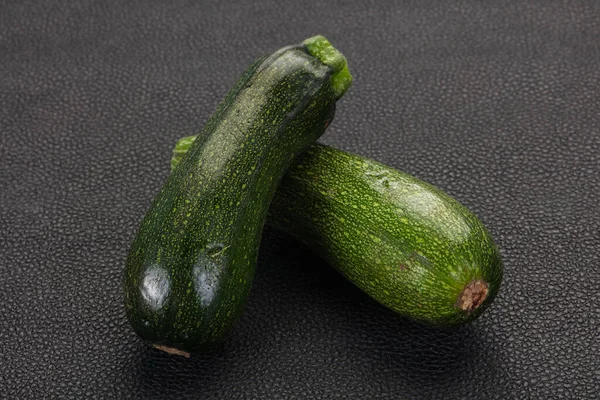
(319, 47)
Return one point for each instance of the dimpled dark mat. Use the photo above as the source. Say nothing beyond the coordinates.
(497, 104)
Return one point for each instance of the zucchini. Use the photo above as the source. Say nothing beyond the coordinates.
(191, 265)
(407, 244)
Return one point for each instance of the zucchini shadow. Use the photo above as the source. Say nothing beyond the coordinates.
(308, 333)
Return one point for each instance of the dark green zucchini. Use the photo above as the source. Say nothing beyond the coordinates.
(404, 242)
(192, 262)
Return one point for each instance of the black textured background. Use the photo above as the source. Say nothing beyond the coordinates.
(497, 104)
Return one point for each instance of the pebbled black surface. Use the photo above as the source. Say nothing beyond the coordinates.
(497, 104)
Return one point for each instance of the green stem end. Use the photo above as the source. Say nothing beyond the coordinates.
(180, 149)
(319, 47)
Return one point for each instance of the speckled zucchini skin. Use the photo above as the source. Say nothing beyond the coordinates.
(407, 244)
(192, 262)
(404, 242)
